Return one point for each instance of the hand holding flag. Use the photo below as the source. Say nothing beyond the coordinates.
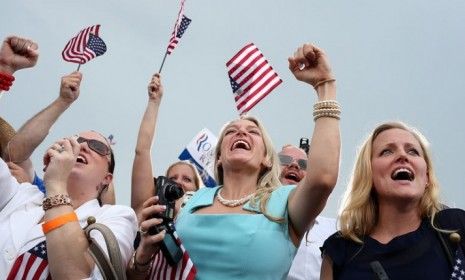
(251, 77)
(85, 46)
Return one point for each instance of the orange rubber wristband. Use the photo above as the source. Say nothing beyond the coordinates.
(57, 222)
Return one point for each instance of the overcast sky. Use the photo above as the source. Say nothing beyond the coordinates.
(396, 60)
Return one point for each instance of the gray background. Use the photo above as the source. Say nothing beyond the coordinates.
(396, 60)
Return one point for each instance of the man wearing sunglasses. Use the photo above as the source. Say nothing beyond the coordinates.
(77, 169)
(307, 262)
(293, 165)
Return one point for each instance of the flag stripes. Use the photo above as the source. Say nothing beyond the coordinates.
(184, 270)
(85, 46)
(31, 265)
(174, 40)
(251, 77)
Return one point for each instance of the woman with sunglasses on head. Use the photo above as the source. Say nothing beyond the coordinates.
(391, 226)
(143, 200)
(249, 227)
(76, 171)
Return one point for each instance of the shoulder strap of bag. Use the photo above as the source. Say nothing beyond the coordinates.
(111, 268)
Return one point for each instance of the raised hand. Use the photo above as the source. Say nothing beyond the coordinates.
(59, 159)
(69, 89)
(17, 53)
(310, 64)
(155, 89)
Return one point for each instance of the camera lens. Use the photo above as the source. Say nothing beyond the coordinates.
(173, 192)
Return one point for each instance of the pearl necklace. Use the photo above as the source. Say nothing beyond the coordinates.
(233, 202)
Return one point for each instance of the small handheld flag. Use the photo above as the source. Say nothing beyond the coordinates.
(174, 40)
(85, 46)
(251, 77)
(201, 152)
(180, 26)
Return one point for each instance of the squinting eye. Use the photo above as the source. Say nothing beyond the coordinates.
(188, 180)
(385, 152)
(413, 152)
(254, 131)
(229, 131)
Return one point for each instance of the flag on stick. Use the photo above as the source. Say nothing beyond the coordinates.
(85, 46)
(177, 34)
(251, 77)
(201, 152)
(180, 26)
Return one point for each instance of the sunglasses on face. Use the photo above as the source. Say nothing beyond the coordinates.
(95, 145)
(287, 160)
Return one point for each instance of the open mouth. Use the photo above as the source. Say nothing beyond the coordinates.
(402, 174)
(81, 159)
(240, 144)
(292, 176)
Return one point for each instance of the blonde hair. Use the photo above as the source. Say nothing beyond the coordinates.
(359, 211)
(268, 179)
(197, 179)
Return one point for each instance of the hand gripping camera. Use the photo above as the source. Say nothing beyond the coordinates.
(168, 192)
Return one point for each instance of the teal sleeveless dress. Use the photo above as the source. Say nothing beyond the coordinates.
(237, 246)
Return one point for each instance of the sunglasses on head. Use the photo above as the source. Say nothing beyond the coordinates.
(287, 160)
(95, 145)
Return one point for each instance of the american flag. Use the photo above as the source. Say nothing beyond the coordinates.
(85, 46)
(177, 34)
(251, 77)
(184, 270)
(458, 270)
(31, 265)
(174, 39)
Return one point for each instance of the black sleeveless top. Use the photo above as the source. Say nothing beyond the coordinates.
(415, 255)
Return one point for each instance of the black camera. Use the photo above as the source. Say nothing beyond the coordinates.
(168, 192)
(304, 144)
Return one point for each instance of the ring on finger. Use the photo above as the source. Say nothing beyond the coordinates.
(142, 232)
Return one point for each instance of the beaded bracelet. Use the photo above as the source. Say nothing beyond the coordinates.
(6, 81)
(56, 200)
(59, 221)
(327, 115)
(323, 82)
(326, 110)
(326, 104)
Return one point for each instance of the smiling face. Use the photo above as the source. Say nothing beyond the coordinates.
(292, 173)
(242, 146)
(398, 165)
